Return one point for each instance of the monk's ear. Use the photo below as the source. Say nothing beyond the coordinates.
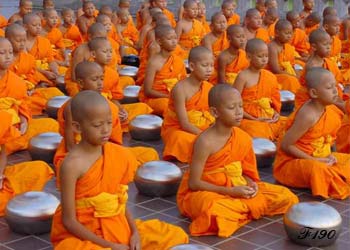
(93, 54)
(313, 47)
(214, 112)
(76, 127)
(313, 93)
(191, 66)
(80, 83)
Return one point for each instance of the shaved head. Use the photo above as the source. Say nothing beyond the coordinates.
(162, 30)
(216, 92)
(317, 35)
(291, 15)
(196, 53)
(329, 11)
(251, 12)
(233, 29)
(254, 45)
(315, 76)
(330, 19)
(97, 29)
(216, 16)
(28, 18)
(85, 68)
(97, 43)
(101, 17)
(13, 30)
(189, 3)
(283, 25)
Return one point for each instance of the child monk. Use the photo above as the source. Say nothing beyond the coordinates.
(90, 76)
(331, 24)
(299, 40)
(162, 4)
(222, 190)
(188, 112)
(40, 47)
(189, 30)
(307, 10)
(71, 33)
(87, 19)
(164, 70)
(128, 32)
(14, 99)
(260, 94)
(24, 66)
(304, 158)
(25, 7)
(269, 21)
(201, 16)
(93, 213)
(228, 10)
(253, 27)
(232, 60)
(18, 178)
(260, 6)
(282, 57)
(47, 4)
(216, 41)
(312, 22)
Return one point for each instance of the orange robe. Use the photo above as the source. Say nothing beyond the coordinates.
(170, 16)
(263, 34)
(72, 37)
(14, 98)
(262, 100)
(308, 30)
(335, 49)
(325, 181)
(300, 41)
(271, 30)
(286, 60)
(24, 66)
(177, 142)
(55, 37)
(172, 71)
(220, 44)
(100, 184)
(234, 19)
(240, 62)
(222, 215)
(193, 37)
(3, 22)
(205, 24)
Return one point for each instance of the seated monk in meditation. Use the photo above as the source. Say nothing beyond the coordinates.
(331, 24)
(260, 6)
(222, 191)
(18, 178)
(24, 66)
(269, 21)
(216, 41)
(312, 22)
(40, 47)
(71, 33)
(300, 41)
(90, 76)
(163, 71)
(232, 60)
(87, 18)
(189, 30)
(253, 26)
(307, 11)
(201, 16)
(282, 57)
(94, 179)
(188, 112)
(228, 8)
(260, 94)
(304, 158)
(25, 7)
(162, 4)
(14, 100)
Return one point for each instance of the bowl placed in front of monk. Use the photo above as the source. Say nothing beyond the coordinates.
(131, 94)
(158, 178)
(190, 247)
(313, 224)
(128, 71)
(131, 60)
(145, 127)
(287, 100)
(43, 146)
(60, 83)
(54, 104)
(31, 212)
(265, 151)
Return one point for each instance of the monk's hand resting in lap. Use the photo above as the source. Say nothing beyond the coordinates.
(123, 115)
(135, 242)
(119, 247)
(274, 118)
(24, 125)
(50, 75)
(242, 192)
(330, 160)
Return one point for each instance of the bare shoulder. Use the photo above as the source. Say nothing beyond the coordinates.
(74, 163)
(272, 45)
(306, 114)
(205, 141)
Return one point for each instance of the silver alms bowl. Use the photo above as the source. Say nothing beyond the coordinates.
(145, 127)
(43, 146)
(53, 105)
(265, 151)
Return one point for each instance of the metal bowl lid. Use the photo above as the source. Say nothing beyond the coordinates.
(49, 140)
(287, 96)
(57, 101)
(33, 204)
(128, 71)
(132, 90)
(190, 247)
(313, 214)
(159, 171)
(263, 146)
(147, 121)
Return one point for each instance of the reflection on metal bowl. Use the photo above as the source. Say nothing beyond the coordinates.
(128, 71)
(158, 178)
(131, 94)
(265, 151)
(53, 105)
(31, 212)
(60, 83)
(43, 146)
(131, 60)
(145, 127)
(287, 99)
(190, 247)
(312, 224)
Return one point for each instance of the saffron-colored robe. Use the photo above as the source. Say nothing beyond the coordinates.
(325, 181)
(100, 184)
(234, 19)
(262, 100)
(193, 37)
(3, 22)
(205, 24)
(55, 37)
(72, 37)
(263, 34)
(335, 49)
(240, 62)
(216, 214)
(300, 41)
(172, 71)
(170, 16)
(308, 30)
(286, 60)
(220, 44)
(177, 142)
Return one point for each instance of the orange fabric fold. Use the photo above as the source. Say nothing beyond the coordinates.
(220, 44)
(193, 37)
(300, 41)
(234, 19)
